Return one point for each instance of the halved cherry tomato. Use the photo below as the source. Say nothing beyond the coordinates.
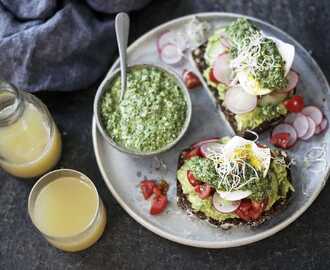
(281, 139)
(250, 210)
(211, 76)
(204, 190)
(158, 205)
(195, 152)
(192, 179)
(147, 187)
(294, 104)
(191, 80)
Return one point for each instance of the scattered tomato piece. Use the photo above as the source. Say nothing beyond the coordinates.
(191, 80)
(281, 139)
(157, 191)
(294, 104)
(147, 187)
(158, 205)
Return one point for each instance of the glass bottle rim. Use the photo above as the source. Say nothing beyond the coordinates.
(15, 111)
(51, 177)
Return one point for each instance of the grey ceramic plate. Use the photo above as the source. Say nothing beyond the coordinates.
(122, 173)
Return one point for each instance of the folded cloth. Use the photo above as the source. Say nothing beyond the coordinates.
(57, 45)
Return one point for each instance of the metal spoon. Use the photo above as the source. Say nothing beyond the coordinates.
(122, 31)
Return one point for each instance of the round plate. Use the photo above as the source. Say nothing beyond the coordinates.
(122, 173)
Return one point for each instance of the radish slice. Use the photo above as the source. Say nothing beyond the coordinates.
(222, 70)
(324, 124)
(286, 128)
(291, 117)
(311, 129)
(239, 101)
(167, 37)
(210, 140)
(224, 206)
(234, 195)
(170, 54)
(209, 148)
(318, 130)
(301, 125)
(314, 113)
(293, 79)
(224, 41)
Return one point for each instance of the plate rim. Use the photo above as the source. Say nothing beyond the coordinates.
(182, 240)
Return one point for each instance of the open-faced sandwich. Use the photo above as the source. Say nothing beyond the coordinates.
(230, 181)
(249, 74)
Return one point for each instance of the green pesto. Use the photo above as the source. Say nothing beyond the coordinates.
(270, 78)
(150, 116)
(203, 169)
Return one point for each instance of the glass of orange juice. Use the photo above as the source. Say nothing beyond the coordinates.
(30, 143)
(65, 207)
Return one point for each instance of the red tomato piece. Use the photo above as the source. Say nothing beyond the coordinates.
(147, 187)
(281, 139)
(212, 78)
(191, 80)
(198, 188)
(192, 179)
(205, 191)
(294, 104)
(156, 190)
(250, 210)
(195, 152)
(159, 203)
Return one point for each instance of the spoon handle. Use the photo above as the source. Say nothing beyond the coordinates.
(122, 30)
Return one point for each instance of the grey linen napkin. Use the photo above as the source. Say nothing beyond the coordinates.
(58, 45)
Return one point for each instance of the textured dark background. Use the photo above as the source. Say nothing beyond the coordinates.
(127, 245)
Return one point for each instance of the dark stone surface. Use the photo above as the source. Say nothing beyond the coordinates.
(127, 245)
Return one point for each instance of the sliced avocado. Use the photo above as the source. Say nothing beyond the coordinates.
(214, 47)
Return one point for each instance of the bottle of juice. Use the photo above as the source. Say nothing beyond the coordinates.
(30, 143)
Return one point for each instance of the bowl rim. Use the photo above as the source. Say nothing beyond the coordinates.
(103, 87)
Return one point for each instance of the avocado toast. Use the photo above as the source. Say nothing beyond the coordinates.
(233, 181)
(249, 75)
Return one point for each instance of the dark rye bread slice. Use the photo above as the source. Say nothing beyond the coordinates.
(198, 57)
(185, 204)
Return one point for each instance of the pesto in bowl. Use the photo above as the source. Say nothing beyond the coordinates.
(152, 114)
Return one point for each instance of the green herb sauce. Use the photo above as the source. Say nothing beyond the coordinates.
(152, 113)
(270, 77)
(203, 169)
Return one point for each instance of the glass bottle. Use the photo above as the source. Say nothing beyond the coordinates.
(30, 143)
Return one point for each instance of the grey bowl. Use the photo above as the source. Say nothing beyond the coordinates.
(108, 81)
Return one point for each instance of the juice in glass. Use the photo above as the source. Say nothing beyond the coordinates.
(65, 207)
